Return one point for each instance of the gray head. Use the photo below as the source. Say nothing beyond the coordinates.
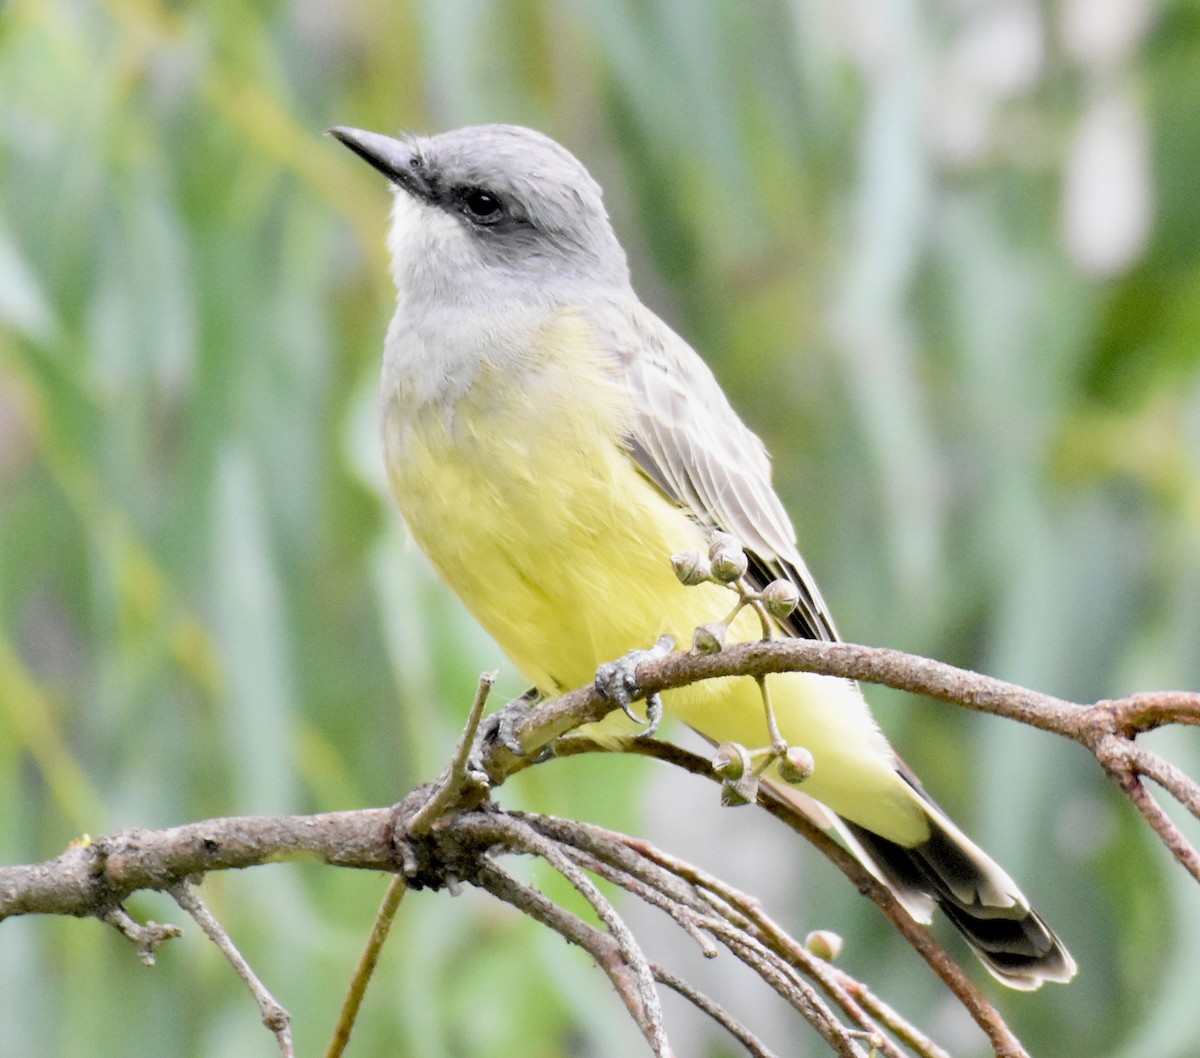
(491, 210)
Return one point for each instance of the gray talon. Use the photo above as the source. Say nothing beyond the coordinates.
(654, 715)
(628, 711)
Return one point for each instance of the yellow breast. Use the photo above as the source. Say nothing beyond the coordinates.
(524, 498)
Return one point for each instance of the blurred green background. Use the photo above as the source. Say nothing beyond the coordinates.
(945, 258)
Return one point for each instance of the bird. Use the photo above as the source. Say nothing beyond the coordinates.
(551, 443)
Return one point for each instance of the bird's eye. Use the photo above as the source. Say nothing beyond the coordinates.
(481, 204)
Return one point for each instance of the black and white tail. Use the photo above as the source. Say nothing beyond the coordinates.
(978, 897)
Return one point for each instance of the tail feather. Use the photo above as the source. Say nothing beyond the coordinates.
(978, 898)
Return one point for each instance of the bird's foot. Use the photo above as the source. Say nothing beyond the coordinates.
(617, 681)
(500, 726)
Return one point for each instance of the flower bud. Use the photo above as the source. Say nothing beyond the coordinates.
(824, 944)
(718, 540)
(708, 639)
(781, 597)
(796, 765)
(739, 780)
(732, 760)
(738, 792)
(727, 557)
(691, 568)
(733, 795)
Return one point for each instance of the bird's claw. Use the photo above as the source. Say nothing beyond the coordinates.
(501, 726)
(654, 715)
(617, 681)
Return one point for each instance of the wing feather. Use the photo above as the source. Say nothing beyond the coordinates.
(689, 441)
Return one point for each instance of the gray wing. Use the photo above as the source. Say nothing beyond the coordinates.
(689, 441)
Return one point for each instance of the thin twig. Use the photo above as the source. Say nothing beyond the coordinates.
(899, 1026)
(1171, 836)
(747, 914)
(615, 857)
(274, 1016)
(764, 962)
(714, 1010)
(520, 835)
(656, 878)
(602, 947)
(366, 966)
(619, 851)
(682, 912)
(788, 984)
(579, 933)
(1172, 779)
(458, 775)
(773, 733)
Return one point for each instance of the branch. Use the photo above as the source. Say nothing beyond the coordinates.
(450, 831)
(1107, 730)
(91, 879)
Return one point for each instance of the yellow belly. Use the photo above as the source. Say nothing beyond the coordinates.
(532, 511)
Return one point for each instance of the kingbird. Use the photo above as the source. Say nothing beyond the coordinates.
(552, 443)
